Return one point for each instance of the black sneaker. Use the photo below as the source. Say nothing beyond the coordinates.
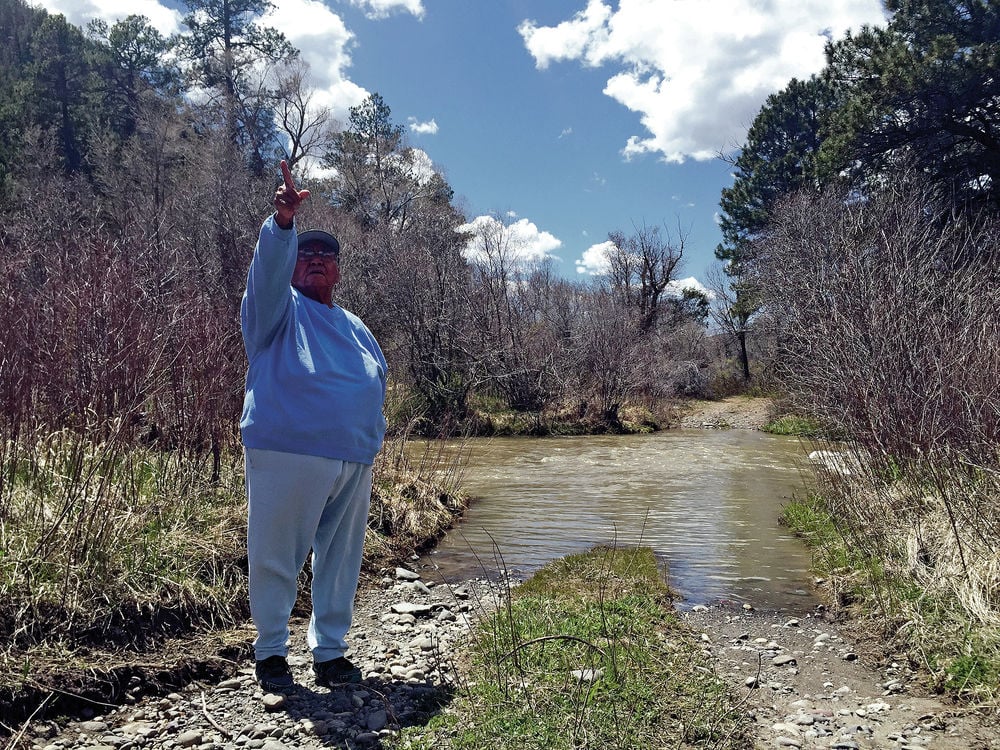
(336, 672)
(273, 673)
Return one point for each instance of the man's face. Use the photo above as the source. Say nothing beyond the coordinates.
(315, 269)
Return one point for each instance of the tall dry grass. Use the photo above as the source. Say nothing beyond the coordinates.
(120, 386)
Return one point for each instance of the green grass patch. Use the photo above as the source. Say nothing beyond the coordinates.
(791, 424)
(588, 652)
(808, 518)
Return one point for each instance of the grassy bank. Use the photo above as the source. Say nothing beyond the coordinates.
(113, 554)
(912, 573)
(490, 417)
(586, 653)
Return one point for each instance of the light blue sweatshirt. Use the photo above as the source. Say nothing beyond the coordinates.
(316, 380)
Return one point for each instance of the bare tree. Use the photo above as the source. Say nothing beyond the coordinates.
(608, 360)
(734, 309)
(511, 337)
(887, 312)
(310, 128)
(642, 266)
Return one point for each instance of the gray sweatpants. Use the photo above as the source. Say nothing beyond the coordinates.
(296, 503)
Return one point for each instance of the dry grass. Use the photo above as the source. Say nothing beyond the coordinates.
(909, 551)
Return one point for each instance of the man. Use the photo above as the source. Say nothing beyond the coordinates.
(312, 423)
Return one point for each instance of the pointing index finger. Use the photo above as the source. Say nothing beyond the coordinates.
(286, 173)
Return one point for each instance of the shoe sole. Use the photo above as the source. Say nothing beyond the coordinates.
(347, 678)
(270, 687)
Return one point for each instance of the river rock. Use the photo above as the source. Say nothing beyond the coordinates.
(409, 608)
(188, 739)
(377, 720)
(402, 574)
(788, 742)
(274, 702)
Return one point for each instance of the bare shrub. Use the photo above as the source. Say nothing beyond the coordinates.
(887, 317)
(886, 311)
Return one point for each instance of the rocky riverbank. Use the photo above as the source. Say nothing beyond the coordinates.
(807, 679)
(804, 678)
(809, 682)
(403, 641)
(734, 412)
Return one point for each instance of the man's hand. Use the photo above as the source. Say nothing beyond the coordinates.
(287, 198)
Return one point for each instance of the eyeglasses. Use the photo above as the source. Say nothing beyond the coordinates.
(316, 251)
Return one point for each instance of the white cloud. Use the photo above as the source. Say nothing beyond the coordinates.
(523, 239)
(569, 40)
(324, 42)
(676, 288)
(421, 165)
(565, 132)
(697, 72)
(423, 128)
(385, 8)
(80, 12)
(595, 261)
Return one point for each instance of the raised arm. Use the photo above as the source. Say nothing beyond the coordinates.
(268, 294)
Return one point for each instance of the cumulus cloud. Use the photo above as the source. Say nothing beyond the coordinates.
(523, 239)
(421, 166)
(594, 261)
(697, 72)
(676, 288)
(385, 8)
(80, 12)
(423, 128)
(325, 43)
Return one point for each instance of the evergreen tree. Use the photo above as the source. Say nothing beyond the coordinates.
(18, 23)
(225, 50)
(379, 177)
(134, 63)
(924, 92)
(59, 81)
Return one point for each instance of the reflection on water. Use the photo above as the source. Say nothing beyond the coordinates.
(707, 501)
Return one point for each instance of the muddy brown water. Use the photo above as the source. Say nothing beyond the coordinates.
(707, 501)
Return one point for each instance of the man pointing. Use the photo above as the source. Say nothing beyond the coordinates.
(312, 424)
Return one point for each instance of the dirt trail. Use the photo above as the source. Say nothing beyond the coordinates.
(734, 412)
(808, 683)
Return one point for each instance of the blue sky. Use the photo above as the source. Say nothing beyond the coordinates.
(570, 118)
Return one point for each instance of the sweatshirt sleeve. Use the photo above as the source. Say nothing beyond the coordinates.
(268, 293)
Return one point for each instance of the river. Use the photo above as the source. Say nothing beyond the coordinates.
(706, 501)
